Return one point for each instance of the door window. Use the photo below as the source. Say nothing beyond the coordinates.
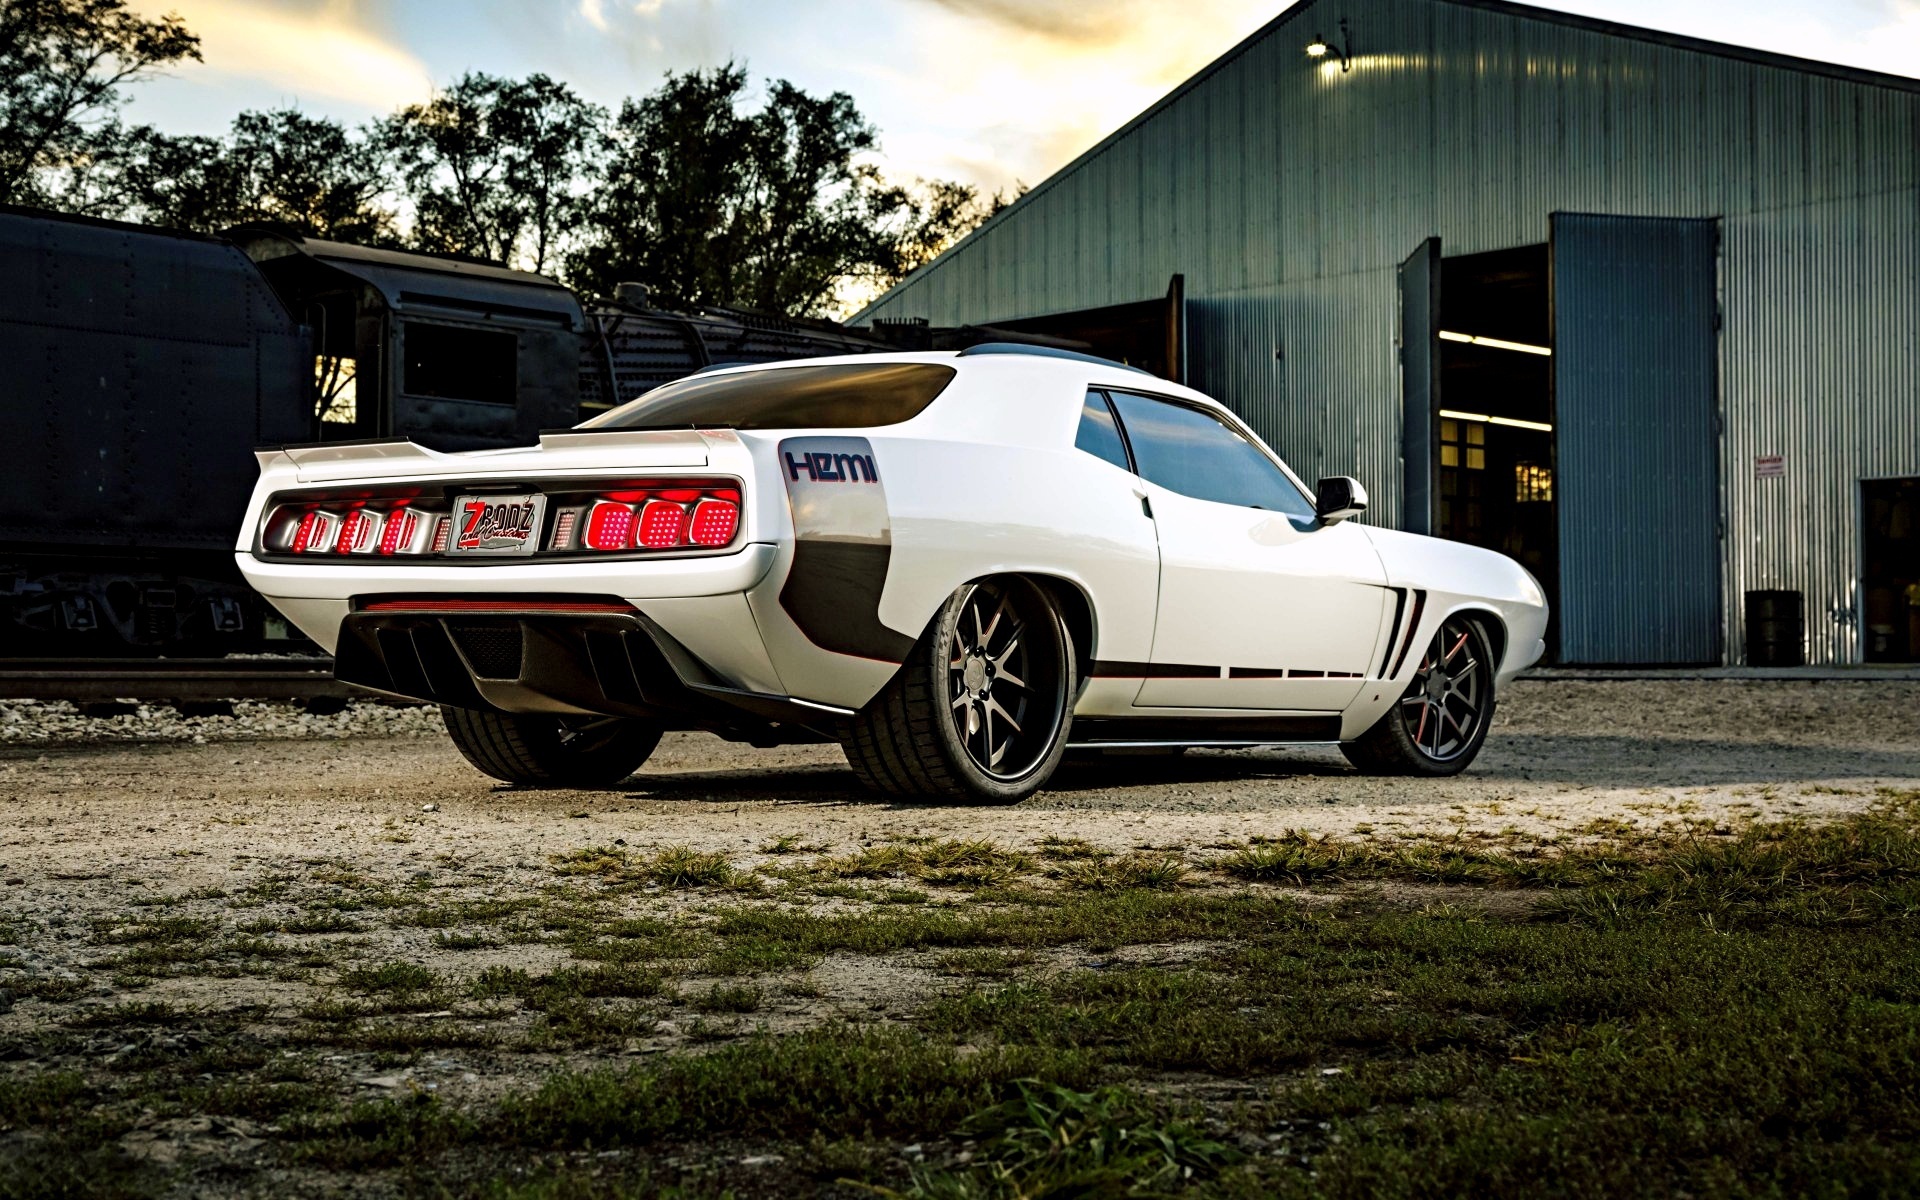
(1100, 434)
(1191, 452)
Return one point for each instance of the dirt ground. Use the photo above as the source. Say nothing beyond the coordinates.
(95, 829)
(239, 829)
(221, 800)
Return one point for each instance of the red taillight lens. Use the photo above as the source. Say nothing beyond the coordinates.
(713, 523)
(403, 524)
(359, 532)
(670, 514)
(316, 532)
(610, 526)
(375, 525)
(663, 525)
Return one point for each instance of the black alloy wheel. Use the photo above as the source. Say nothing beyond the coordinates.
(1005, 704)
(981, 708)
(1440, 722)
(1445, 710)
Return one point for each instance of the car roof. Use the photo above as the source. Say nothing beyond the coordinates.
(1052, 368)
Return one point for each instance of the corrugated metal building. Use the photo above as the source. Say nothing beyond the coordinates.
(1640, 309)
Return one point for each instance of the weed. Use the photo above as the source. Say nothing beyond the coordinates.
(728, 998)
(1154, 871)
(1049, 1140)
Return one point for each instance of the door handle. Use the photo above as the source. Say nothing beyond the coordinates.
(1146, 506)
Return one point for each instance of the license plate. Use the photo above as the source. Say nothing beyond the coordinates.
(497, 524)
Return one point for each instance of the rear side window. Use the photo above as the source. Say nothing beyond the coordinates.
(828, 396)
(1099, 434)
(1196, 454)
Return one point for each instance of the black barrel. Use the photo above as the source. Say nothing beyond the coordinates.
(1776, 629)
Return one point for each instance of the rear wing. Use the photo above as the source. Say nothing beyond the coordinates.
(323, 462)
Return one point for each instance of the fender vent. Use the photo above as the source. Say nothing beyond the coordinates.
(491, 648)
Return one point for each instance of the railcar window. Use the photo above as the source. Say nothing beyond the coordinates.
(1099, 435)
(1195, 454)
(827, 396)
(454, 363)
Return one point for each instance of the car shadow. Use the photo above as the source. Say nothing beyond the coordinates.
(1588, 761)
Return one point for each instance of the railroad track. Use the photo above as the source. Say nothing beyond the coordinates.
(171, 680)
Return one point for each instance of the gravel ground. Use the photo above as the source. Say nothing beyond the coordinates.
(180, 802)
(233, 823)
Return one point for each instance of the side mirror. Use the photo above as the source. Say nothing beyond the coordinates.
(1338, 498)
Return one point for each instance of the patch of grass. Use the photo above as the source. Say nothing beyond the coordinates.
(318, 921)
(466, 912)
(465, 941)
(728, 998)
(986, 964)
(676, 867)
(1058, 849)
(1049, 1140)
(1153, 871)
(148, 1013)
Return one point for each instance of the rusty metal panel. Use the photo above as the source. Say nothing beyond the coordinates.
(1288, 190)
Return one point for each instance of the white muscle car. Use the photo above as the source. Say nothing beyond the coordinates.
(959, 566)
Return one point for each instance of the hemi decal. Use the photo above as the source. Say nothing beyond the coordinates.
(843, 546)
(822, 466)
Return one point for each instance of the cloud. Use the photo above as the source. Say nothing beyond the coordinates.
(326, 48)
(1063, 20)
(995, 91)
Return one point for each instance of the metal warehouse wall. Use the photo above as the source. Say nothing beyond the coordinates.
(1288, 191)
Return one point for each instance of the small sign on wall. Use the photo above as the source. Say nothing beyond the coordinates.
(1769, 466)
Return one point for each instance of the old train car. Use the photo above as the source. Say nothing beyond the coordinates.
(139, 368)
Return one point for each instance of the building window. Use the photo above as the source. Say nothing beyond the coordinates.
(1472, 451)
(1532, 483)
(454, 363)
(1463, 465)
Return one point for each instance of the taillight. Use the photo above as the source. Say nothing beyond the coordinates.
(359, 532)
(663, 525)
(668, 515)
(315, 532)
(621, 518)
(377, 525)
(405, 532)
(713, 523)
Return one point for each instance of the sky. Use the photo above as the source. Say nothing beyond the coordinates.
(989, 92)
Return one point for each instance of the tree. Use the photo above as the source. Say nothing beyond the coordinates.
(63, 64)
(774, 209)
(923, 221)
(495, 167)
(311, 175)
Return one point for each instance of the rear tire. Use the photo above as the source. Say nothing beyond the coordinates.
(540, 750)
(981, 708)
(1439, 723)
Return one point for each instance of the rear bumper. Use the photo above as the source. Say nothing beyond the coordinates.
(605, 658)
(648, 579)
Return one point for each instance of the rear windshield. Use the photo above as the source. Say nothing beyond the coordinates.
(828, 396)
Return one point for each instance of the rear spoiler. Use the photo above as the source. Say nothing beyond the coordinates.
(366, 450)
(564, 448)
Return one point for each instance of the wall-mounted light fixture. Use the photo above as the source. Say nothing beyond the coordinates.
(1319, 47)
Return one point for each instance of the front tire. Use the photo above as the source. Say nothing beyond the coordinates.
(1439, 724)
(540, 750)
(981, 708)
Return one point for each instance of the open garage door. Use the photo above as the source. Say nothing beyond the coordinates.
(1636, 397)
(1419, 382)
